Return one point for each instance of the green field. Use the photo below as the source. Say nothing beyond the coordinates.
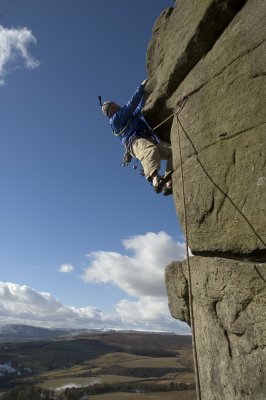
(104, 366)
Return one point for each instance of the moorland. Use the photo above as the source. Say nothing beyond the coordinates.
(99, 366)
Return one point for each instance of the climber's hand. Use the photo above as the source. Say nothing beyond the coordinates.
(144, 82)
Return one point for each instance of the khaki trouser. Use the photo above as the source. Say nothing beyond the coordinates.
(150, 155)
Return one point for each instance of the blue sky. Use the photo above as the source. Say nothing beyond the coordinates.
(83, 241)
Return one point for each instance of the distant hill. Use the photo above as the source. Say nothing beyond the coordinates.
(26, 332)
(16, 332)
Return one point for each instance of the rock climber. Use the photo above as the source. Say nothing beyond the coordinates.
(139, 140)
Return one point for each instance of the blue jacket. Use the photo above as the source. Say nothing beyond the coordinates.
(128, 118)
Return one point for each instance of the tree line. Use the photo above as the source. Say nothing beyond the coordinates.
(27, 392)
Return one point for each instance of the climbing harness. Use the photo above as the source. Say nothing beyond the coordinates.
(127, 157)
(177, 109)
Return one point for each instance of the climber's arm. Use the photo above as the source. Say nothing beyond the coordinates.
(126, 112)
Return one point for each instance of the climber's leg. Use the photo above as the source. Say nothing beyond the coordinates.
(148, 154)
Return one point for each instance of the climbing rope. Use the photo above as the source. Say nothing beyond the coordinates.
(176, 111)
(191, 309)
(163, 122)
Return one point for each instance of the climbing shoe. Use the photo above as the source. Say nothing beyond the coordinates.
(167, 189)
(157, 183)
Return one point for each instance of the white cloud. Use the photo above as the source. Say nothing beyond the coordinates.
(149, 313)
(23, 305)
(146, 309)
(66, 268)
(20, 303)
(142, 273)
(14, 50)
